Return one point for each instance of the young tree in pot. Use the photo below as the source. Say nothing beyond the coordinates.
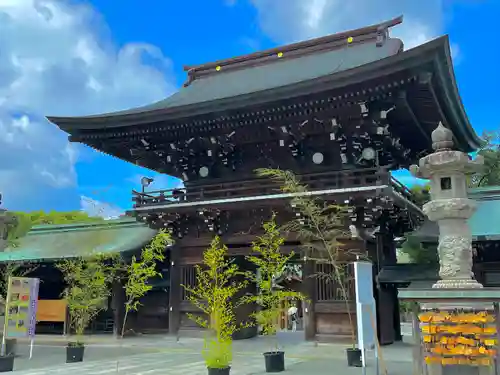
(270, 262)
(319, 226)
(86, 293)
(214, 295)
(139, 271)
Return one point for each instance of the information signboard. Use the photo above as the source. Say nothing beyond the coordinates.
(20, 309)
(365, 308)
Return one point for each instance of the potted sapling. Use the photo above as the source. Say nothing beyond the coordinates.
(140, 271)
(86, 294)
(320, 226)
(270, 263)
(214, 294)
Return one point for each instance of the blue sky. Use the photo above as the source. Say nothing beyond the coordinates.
(71, 58)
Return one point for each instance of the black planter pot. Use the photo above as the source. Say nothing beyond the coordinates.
(10, 347)
(275, 361)
(219, 371)
(74, 353)
(6, 363)
(353, 357)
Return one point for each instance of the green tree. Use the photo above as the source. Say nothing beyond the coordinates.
(271, 262)
(24, 221)
(61, 217)
(87, 290)
(412, 246)
(12, 269)
(490, 151)
(416, 253)
(421, 194)
(214, 294)
(18, 228)
(141, 270)
(319, 228)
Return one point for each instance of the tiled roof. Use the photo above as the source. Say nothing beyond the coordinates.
(52, 242)
(280, 73)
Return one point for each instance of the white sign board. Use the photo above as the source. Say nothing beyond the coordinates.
(365, 307)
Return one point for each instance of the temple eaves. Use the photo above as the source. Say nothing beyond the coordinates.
(358, 53)
(254, 80)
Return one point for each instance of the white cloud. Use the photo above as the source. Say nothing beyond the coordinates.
(97, 208)
(293, 20)
(55, 59)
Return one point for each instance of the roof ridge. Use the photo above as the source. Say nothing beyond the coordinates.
(303, 45)
(84, 225)
(485, 193)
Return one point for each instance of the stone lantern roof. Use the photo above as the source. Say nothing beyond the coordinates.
(442, 138)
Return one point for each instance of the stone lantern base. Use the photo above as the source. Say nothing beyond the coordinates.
(457, 284)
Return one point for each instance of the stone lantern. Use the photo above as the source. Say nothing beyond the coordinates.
(447, 170)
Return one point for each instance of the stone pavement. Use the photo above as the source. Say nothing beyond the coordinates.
(177, 363)
(164, 355)
(155, 363)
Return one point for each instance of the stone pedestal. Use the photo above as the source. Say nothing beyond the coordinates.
(462, 370)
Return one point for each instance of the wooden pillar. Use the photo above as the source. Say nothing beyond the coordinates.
(118, 306)
(174, 316)
(309, 282)
(385, 297)
(398, 336)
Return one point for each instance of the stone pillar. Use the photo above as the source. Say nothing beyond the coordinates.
(447, 171)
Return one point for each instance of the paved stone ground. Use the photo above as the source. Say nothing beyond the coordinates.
(164, 355)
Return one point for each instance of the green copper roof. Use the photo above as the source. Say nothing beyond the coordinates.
(277, 74)
(52, 242)
(484, 224)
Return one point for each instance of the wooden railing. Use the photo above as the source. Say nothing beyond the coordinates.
(259, 187)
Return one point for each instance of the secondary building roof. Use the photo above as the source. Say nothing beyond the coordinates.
(484, 224)
(406, 273)
(54, 242)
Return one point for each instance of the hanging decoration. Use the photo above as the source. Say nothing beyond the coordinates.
(459, 337)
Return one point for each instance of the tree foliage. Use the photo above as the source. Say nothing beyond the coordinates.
(140, 271)
(215, 295)
(490, 151)
(87, 289)
(416, 253)
(13, 269)
(421, 194)
(412, 247)
(319, 228)
(270, 262)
